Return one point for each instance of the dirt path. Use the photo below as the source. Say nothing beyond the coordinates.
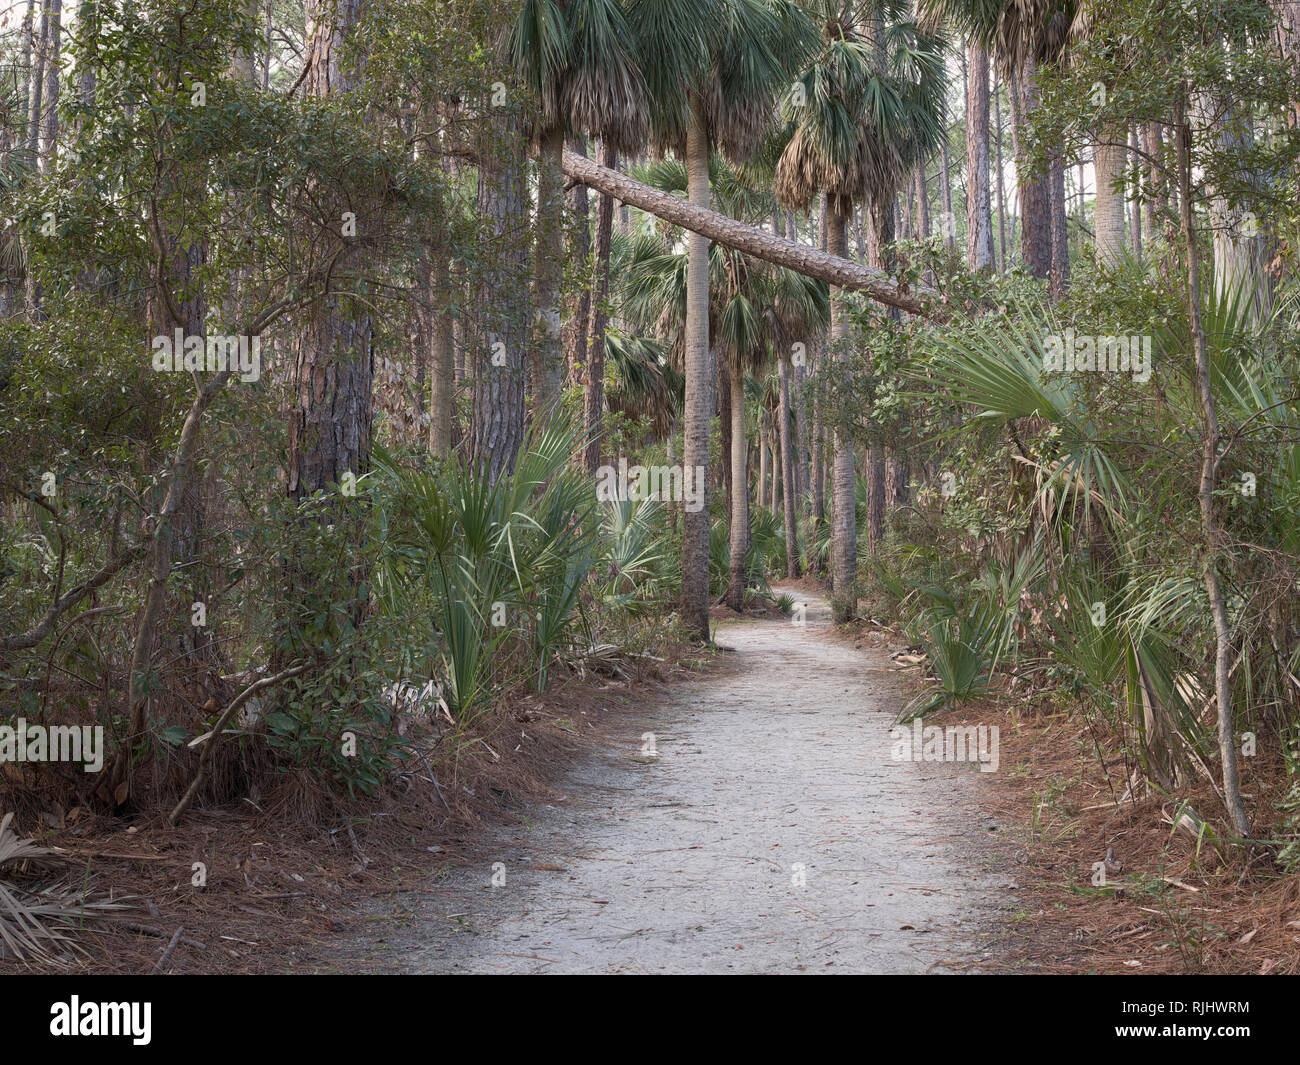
(691, 861)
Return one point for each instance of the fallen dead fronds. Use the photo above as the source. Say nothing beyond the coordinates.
(42, 906)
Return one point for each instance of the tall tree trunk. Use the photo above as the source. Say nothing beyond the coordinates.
(1035, 191)
(881, 257)
(1151, 146)
(1060, 275)
(800, 404)
(724, 431)
(36, 85)
(498, 429)
(818, 458)
(949, 223)
(548, 350)
(844, 532)
(1108, 163)
(788, 476)
(979, 217)
(1002, 199)
(1135, 219)
(580, 252)
(594, 396)
(50, 119)
(333, 373)
(735, 597)
(442, 355)
(1209, 467)
(699, 402)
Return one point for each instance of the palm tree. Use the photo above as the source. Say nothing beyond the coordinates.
(801, 309)
(713, 69)
(859, 126)
(576, 56)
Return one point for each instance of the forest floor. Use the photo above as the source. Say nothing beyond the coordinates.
(735, 811)
(763, 826)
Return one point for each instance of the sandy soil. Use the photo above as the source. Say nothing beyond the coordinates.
(770, 831)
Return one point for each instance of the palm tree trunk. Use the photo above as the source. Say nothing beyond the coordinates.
(1002, 205)
(800, 406)
(594, 397)
(580, 252)
(1108, 162)
(775, 437)
(788, 472)
(979, 217)
(699, 402)
(818, 468)
(844, 533)
(735, 597)
(724, 430)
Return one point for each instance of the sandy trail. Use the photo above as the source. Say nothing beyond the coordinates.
(771, 832)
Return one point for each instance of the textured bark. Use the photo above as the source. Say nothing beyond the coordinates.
(1108, 163)
(50, 116)
(548, 351)
(594, 396)
(818, 459)
(844, 532)
(699, 401)
(442, 355)
(1156, 200)
(799, 402)
(838, 270)
(498, 425)
(881, 257)
(1035, 192)
(949, 223)
(979, 215)
(997, 162)
(575, 330)
(724, 430)
(333, 372)
(333, 375)
(36, 83)
(1135, 208)
(788, 471)
(1060, 275)
(735, 597)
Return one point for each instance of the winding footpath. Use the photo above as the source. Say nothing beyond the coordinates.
(771, 831)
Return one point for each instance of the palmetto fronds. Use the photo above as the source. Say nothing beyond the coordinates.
(41, 903)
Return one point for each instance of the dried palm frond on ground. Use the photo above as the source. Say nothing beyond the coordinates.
(40, 904)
